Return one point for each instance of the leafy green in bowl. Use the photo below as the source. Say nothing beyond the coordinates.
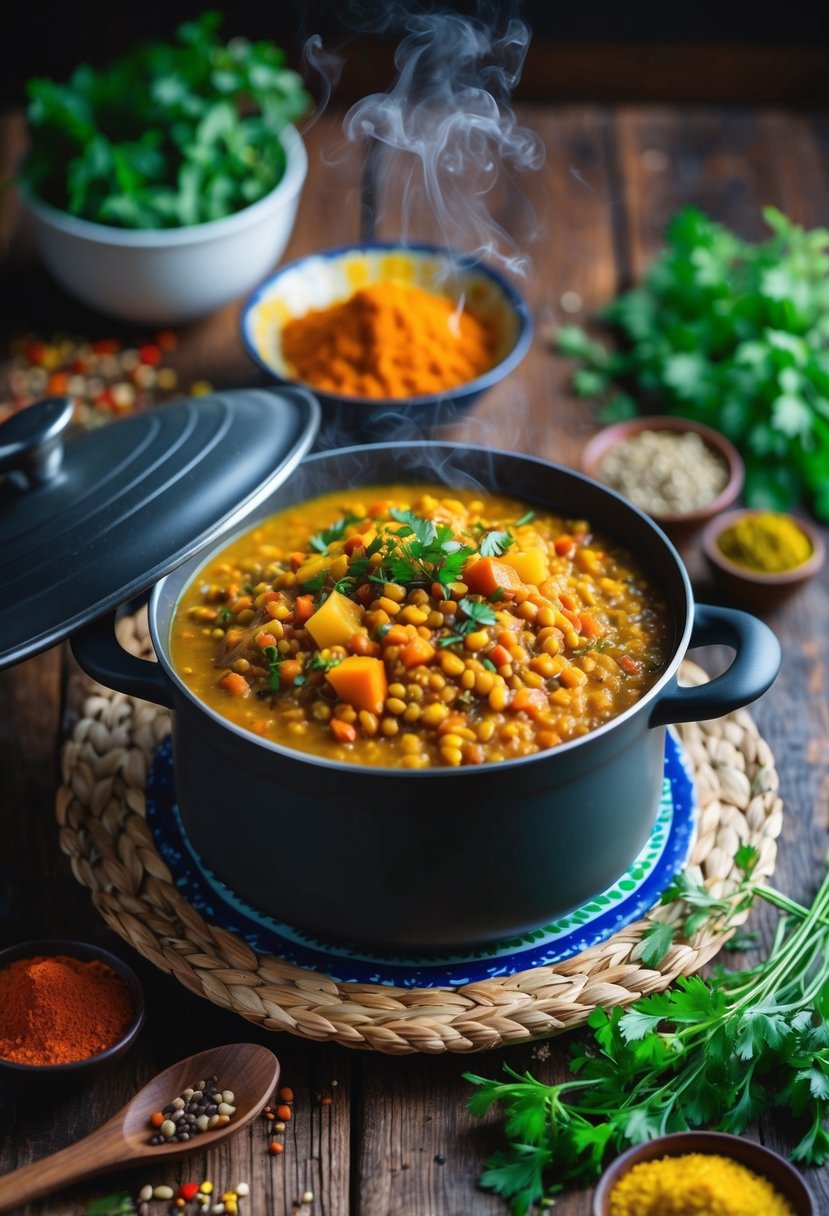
(170, 135)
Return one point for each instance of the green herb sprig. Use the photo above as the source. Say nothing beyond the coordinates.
(478, 614)
(736, 335)
(715, 1053)
(172, 133)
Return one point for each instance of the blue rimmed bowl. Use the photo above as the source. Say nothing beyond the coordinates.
(332, 276)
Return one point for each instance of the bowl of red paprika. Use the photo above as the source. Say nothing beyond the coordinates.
(65, 1007)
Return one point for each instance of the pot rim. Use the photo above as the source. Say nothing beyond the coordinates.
(161, 646)
(296, 168)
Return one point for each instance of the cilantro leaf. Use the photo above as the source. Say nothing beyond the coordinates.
(479, 612)
(656, 942)
(494, 543)
(321, 540)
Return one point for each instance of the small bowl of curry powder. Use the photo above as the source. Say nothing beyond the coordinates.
(702, 1174)
(65, 1007)
(394, 340)
(759, 557)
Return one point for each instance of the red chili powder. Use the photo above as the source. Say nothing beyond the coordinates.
(57, 1010)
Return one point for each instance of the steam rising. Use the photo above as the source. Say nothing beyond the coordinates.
(448, 115)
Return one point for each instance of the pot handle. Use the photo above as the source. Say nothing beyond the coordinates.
(752, 671)
(102, 656)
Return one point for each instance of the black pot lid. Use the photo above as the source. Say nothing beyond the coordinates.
(92, 519)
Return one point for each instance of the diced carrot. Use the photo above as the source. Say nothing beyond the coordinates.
(500, 656)
(343, 732)
(354, 542)
(396, 636)
(360, 681)
(488, 575)
(304, 608)
(289, 669)
(631, 666)
(361, 643)
(417, 651)
(265, 639)
(531, 700)
(235, 684)
(378, 508)
(568, 601)
(297, 560)
(564, 545)
(269, 596)
(572, 617)
(590, 627)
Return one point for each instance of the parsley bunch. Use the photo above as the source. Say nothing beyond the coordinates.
(718, 1053)
(170, 134)
(736, 335)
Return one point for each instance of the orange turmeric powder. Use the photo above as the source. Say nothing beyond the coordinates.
(388, 340)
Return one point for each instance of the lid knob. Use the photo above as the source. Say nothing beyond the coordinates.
(31, 441)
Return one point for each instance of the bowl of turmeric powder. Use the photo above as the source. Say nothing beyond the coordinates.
(395, 340)
(65, 1007)
(761, 557)
(698, 1172)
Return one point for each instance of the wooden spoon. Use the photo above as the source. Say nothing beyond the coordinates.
(250, 1071)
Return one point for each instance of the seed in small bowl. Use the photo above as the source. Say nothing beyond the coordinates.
(680, 472)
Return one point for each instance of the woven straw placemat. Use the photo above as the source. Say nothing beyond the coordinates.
(101, 811)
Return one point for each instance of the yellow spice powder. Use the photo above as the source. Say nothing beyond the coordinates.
(695, 1184)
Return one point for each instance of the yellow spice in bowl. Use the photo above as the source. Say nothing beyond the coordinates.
(766, 543)
(695, 1184)
(389, 340)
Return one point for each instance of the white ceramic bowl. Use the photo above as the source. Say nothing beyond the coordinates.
(170, 275)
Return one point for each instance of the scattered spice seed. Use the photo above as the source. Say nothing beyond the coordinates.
(284, 1113)
(326, 1101)
(104, 379)
(287, 1095)
(163, 1192)
(279, 1127)
(275, 1147)
(307, 1197)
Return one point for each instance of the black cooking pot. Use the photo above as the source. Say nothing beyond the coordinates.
(436, 858)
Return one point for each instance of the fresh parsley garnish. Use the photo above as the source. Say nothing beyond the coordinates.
(478, 613)
(717, 1052)
(274, 659)
(494, 543)
(525, 519)
(321, 540)
(318, 663)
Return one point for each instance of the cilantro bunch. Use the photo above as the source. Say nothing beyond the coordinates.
(170, 134)
(736, 335)
(718, 1053)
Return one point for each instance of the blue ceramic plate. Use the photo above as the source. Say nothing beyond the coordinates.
(628, 899)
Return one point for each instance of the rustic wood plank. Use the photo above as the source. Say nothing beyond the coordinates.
(573, 259)
(730, 165)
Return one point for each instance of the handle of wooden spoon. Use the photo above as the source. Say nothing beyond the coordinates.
(98, 1152)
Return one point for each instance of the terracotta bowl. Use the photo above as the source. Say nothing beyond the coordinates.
(683, 524)
(13, 1072)
(750, 587)
(783, 1177)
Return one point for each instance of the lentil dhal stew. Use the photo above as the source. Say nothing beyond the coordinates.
(414, 627)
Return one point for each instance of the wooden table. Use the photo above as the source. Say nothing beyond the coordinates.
(397, 1139)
